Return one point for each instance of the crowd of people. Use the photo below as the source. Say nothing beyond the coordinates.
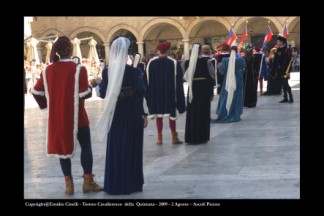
(135, 91)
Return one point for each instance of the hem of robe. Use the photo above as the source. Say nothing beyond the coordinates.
(223, 121)
(162, 116)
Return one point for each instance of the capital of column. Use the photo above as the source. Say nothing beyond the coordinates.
(107, 44)
(139, 42)
(186, 40)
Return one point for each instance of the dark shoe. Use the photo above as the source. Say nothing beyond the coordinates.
(283, 101)
(291, 101)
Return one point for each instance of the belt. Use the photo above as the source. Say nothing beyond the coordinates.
(199, 78)
(126, 92)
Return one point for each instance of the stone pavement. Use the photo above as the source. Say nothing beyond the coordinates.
(256, 158)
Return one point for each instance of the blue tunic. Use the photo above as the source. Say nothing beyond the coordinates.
(124, 157)
(236, 109)
(165, 88)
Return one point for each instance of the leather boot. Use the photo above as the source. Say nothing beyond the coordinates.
(285, 100)
(159, 141)
(89, 185)
(291, 99)
(69, 188)
(175, 139)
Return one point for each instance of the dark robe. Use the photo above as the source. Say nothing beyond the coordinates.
(165, 92)
(274, 82)
(251, 82)
(124, 156)
(213, 81)
(283, 67)
(198, 111)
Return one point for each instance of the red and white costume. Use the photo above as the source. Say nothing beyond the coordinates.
(62, 88)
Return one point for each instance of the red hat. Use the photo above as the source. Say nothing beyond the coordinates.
(257, 49)
(224, 47)
(164, 46)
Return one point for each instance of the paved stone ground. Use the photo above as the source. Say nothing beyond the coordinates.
(256, 158)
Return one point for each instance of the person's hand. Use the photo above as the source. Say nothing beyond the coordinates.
(145, 121)
(95, 82)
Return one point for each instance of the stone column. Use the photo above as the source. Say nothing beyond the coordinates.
(186, 48)
(40, 54)
(140, 48)
(106, 53)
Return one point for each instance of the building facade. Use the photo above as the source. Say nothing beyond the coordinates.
(146, 32)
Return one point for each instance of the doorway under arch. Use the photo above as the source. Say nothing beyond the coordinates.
(131, 36)
(209, 32)
(256, 29)
(163, 32)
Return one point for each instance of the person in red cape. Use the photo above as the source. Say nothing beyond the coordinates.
(63, 87)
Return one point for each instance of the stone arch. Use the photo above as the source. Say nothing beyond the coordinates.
(226, 23)
(153, 23)
(50, 31)
(87, 29)
(121, 27)
(293, 22)
(238, 25)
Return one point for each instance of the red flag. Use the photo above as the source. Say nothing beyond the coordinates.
(243, 37)
(285, 31)
(267, 37)
(231, 37)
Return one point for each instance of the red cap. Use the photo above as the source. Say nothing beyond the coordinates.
(257, 49)
(164, 46)
(224, 47)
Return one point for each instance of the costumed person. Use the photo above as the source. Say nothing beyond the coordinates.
(230, 103)
(283, 67)
(122, 121)
(250, 79)
(274, 86)
(141, 67)
(266, 70)
(212, 66)
(165, 93)
(63, 87)
(257, 65)
(137, 62)
(199, 97)
(224, 53)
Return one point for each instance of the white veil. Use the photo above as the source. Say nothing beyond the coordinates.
(191, 69)
(136, 60)
(116, 69)
(230, 80)
(135, 64)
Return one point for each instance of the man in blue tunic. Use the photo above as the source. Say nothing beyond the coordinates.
(230, 103)
(165, 92)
